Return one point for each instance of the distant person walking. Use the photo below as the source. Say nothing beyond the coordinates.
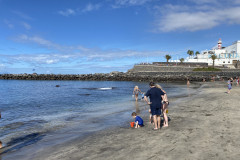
(229, 85)
(136, 91)
(156, 96)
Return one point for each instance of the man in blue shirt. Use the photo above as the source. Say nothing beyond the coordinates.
(156, 96)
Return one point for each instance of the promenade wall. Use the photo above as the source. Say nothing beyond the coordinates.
(183, 64)
(155, 68)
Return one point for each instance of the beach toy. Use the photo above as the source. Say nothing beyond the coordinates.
(132, 124)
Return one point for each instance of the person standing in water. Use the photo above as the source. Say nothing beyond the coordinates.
(136, 91)
(188, 82)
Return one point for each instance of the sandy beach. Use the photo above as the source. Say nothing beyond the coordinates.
(203, 126)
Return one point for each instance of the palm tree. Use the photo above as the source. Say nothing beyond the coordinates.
(196, 53)
(214, 57)
(190, 53)
(168, 57)
(181, 60)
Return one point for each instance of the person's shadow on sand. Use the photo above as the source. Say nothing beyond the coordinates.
(162, 121)
(20, 142)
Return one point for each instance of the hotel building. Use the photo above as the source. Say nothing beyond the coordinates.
(226, 56)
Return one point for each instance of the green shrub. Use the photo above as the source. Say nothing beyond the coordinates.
(207, 69)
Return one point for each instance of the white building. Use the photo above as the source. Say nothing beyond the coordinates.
(226, 56)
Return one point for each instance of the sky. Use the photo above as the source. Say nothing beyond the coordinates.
(101, 36)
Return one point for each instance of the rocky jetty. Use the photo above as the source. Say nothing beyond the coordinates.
(120, 76)
(137, 73)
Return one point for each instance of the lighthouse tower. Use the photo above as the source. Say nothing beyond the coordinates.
(219, 43)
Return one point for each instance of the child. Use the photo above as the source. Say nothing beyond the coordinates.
(150, 116)
(138, 120)
(136, 91)
(229, 85)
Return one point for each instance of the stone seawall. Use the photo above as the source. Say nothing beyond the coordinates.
(182, 76)
(155, 68)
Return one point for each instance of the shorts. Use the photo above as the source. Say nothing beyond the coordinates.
(156, 111)
(229, 87)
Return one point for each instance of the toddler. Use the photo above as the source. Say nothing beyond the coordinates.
(138, 120)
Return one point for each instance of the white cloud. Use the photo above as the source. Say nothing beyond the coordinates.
(9, 24)
(188, 21)
(73, 53)
(37, 40)
(204, 1)
(67, 12)
(88, 8)
(196, 17)
(91, 7)
(131, 2)
(236, 1)
(26, 25)
(22, 15)
(37, 59)
(2, 65)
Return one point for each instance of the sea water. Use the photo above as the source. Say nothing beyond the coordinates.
(35, 110)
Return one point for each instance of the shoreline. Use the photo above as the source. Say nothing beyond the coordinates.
(197, 131)
(203, 126)
(67, 133)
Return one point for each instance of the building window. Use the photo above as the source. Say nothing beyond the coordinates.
(223, 61)
(228, 61)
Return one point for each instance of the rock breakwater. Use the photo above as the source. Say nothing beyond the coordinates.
(129, 76)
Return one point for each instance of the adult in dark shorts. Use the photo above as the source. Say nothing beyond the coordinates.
(156, 96)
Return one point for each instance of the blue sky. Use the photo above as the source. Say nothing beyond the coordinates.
(100, 36)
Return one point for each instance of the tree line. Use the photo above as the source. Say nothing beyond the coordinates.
(191, 53)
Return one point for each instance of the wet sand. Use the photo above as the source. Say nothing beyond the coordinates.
(203, 126)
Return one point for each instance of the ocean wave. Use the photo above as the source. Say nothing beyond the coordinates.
(101, 88)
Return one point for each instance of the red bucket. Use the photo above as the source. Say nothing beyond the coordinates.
(132, 124)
